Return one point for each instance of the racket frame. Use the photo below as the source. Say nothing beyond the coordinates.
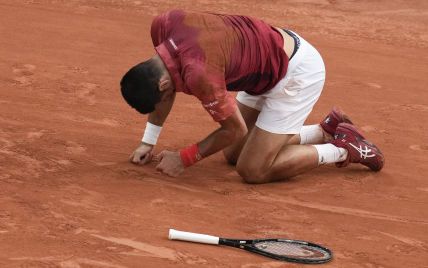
(249, 245)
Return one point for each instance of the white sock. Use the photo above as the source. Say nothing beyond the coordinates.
(311, 134)
(328, 153)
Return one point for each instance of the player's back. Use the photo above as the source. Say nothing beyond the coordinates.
(248, 52)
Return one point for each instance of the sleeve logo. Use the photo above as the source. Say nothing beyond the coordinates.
(173, 44)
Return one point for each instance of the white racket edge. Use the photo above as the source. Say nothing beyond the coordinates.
(192, 237)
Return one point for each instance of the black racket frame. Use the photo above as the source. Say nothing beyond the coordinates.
(249, 246)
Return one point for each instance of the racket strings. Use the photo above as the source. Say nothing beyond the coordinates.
(294, 250)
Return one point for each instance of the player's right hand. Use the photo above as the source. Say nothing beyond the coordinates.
(142, 155)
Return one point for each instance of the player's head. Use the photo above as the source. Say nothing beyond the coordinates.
(140, 86)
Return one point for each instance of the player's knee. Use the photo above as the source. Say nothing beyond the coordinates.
(252, 176)
(255, 179)
(258, 175)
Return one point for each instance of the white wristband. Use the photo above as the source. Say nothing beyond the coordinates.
(151, 133)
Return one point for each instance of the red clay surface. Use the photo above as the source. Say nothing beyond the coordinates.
(69, 198)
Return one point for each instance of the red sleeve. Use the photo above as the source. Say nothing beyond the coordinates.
(156, 30)
(162, 25)
(221, 107)
(209, 86)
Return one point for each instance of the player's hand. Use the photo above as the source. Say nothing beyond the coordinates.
(170, 163)
(142, 155)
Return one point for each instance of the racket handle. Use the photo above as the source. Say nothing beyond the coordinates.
(192, 237)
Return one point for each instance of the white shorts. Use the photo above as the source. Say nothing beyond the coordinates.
(285, 107)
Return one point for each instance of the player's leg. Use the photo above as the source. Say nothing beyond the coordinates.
(250, 107)
(310, 134)
(293, 159)
(267, 154)
(264, 157)
(232, 152)
(324, 131)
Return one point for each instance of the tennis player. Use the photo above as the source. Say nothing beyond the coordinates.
(279, 77)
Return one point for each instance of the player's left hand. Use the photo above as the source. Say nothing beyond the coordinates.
(169, 163)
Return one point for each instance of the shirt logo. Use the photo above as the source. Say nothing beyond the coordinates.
(210, 104)
(212, 112)
(173, 44)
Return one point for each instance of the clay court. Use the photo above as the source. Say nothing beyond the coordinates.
(69, 197)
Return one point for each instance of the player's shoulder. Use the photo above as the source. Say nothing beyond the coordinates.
(163, 23)
(168, 16)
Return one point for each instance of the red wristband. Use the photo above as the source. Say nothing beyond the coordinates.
(190, 155)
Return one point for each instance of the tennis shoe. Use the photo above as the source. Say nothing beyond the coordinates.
(359, 149)
(333, 119)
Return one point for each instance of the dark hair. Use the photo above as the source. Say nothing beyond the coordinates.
(139, 86)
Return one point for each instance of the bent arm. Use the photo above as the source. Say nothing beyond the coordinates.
(161, 112)
(143, 154)
(232, 130)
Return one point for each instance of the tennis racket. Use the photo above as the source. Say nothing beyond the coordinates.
(279, 249)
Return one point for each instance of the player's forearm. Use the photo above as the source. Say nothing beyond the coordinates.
(156, 120)
(220, 139)
(232, 129)
(159, 115)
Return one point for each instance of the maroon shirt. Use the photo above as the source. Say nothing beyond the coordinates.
(208, 55)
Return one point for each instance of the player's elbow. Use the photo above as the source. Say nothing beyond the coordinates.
(240, 133)
(235, 134)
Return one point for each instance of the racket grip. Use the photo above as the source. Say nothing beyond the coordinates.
(192, 237)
